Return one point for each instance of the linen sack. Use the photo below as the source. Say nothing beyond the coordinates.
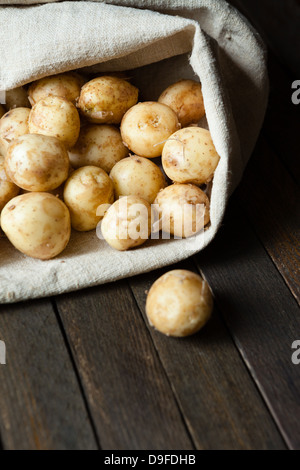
(160, 42)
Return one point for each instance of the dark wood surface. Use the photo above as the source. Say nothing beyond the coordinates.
(85, 370)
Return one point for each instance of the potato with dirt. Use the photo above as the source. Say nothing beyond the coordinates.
(105, 99)
(137, 176)
(85, 190)
(37, 224)
(56, 117)
(147, 126)
(98, 145)
(37, 162)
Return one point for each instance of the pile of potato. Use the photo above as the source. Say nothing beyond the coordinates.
(83, 154)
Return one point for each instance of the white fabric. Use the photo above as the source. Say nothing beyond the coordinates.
(201, 39)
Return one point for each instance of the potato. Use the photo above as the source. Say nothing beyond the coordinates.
(179, 303)
(185, 98)
(127, 223)
(98, 145)
(8, 189)
(37, 162)
(183, 210)
(12, 125)
(137, 176)
(189, 156)
(85, 190)
(106, 99)
(16, 98)
(38, 224)
(146, 126)
(2, 111)
(65, 85)
(57, 117)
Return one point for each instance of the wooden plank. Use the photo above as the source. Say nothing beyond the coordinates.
(131, 401)
(41, 406)
(278, 22)
(271, 200)
(262, 315)
(218, 399)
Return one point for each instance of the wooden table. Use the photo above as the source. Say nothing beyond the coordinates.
(85, 371)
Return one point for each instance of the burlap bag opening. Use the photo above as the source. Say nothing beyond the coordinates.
(163, 41)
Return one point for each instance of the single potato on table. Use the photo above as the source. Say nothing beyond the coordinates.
(127, 223)
(137, 176)
(189, 156)
(179, 303)
(65, 85)
(16, 98)
(8, 189)
(183, 210)
(87, 188)
(57, 117)
(186, 99)
(105, 99)
(98, 145)
(12, 125)
(146, 127)
(37, 224)
(37, 162)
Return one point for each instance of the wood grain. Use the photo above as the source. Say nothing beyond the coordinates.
(261, 314)
(129, 396)
(41, 406)
(218, 399)
(271, 200)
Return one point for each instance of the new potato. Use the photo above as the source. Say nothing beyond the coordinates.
(12, 125)
(65, 85)
(37, 162)
(106, 99)
(99, 145)
(146, 126)
(183, 210)
(185, 98)
(179, 303)
(57, 117)
(8, 189)
(37, 224)
(137, 176)
(189, 156)
(86, 189)
(127, 223)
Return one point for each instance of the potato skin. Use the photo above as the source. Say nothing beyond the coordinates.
(13, 124)
(105, 99)
(37, 162)
(189, 156)
(98, 145)
(179, 303)
(173, 203)
(146, 126)
(85, 190)
(65, 85)
(8, 189)
(186, 99)
(37, 224)
(119, 224)
(16, 98)
(137, 176)
(56, 117)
